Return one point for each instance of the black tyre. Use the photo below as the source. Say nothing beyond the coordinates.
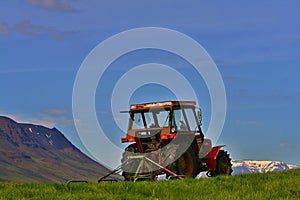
(224, 166)
(186, 164)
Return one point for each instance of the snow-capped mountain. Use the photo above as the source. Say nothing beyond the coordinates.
(255, 166)
(259, 166)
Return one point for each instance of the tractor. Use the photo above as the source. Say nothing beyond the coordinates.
(166, 138)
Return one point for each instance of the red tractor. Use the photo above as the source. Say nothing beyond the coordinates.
(167, 139)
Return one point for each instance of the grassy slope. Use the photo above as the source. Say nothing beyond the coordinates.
(27, 156)
(275, 185)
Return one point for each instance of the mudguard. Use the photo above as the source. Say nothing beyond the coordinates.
(212, 157)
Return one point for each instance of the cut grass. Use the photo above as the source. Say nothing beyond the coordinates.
(273, 185)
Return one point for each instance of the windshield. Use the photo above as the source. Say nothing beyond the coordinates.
(150, 119)
(184, 119)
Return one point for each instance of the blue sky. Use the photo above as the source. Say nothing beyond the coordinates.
(255, 45)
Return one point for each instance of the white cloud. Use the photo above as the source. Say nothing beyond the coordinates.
(24, 27)
(46, 120)
(56, 111)
(249, 122)
(25, 69)
(30, 29)
(20, 118)
(52, 5)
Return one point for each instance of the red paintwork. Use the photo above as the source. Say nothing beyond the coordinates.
(212, 157)
(162, 136)
(138, 145)
(167, 136)
(128, 139)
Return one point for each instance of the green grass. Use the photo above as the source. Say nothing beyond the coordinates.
(275, 185)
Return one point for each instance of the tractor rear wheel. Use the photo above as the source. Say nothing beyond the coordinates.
(186, 164)
(224, 165)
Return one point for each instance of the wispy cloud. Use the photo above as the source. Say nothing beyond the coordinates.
(29, 29)
(44, 119)
(52, 5)
(249, 122)
(231, 78)
(56, 111)
(65, 120)
(288, 146)
(29, 70)
(282, 145)
(25, 28)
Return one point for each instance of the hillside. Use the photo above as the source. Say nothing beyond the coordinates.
(271, 185)
(33, 153)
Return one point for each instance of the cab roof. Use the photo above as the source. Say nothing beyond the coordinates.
(163, 104)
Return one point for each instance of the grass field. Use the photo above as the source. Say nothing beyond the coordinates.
(274, 185)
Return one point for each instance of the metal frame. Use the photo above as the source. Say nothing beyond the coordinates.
(144, 160)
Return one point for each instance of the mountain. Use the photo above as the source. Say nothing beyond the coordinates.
(259, 166)
(255, 166)
(33, 153)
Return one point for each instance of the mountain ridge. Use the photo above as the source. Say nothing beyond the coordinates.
(34, 153)
(259, 166)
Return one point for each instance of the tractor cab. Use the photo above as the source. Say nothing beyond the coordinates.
(160, 122)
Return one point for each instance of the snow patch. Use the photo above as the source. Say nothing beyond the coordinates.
(258, 166)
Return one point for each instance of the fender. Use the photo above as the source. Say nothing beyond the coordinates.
(212, 157)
